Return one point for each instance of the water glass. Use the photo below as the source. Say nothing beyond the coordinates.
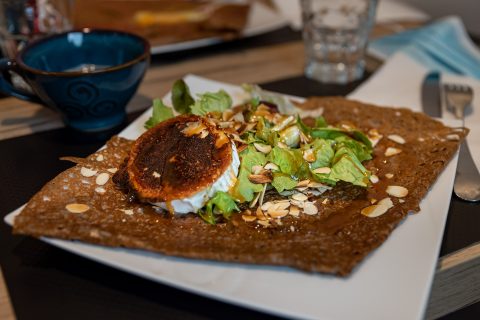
(335, 33)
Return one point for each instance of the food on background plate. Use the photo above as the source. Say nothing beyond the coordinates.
(165, 21)
(317, 194)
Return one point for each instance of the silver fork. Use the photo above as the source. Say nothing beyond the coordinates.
(467, 181)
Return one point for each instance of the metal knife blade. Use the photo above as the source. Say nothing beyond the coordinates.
(431, 95)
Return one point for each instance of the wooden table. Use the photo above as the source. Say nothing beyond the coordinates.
(455, 284)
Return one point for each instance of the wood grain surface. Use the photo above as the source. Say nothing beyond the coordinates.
(6, 310)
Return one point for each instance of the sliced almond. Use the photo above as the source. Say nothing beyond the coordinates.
(453, 137)
(397, 191)
(223, 139)
(374, 178)
(112, 170)
(294, 211)
(308, 155)
(389, 175)
(193, 128)
(100, 190)
(263, 148)
(299, 197)
(256, 169)
(421, 139)
(155, 174)
(264, 223)
(280, 205)
(238, 117)
(102, 178)
(283, 123)
(303, 183)
(378, 209)
(259, 178)
(203, 134)
(386, 202)
(227, 114)
(99, 157)
(277, 213)
(77, 207)
(323, 170)
(392, 151)
(248, 218)
(316, 185)
(282, 145)
(249, 127)
(259, 214)
(271, 166)
(237, 126)
(310, 208)
(304, 138)
(374, 137)
(396, 138)
(266, 205)
(87, 172)
(128, 211)
(225, 124)
(297, 203)
(278, 210)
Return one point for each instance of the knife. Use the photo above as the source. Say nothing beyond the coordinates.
(431, 95)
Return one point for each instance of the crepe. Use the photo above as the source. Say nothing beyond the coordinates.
(83, 204)
(166, 21)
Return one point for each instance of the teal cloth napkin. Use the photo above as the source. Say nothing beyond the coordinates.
(441, 46)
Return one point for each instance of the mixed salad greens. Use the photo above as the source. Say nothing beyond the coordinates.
(280, 141)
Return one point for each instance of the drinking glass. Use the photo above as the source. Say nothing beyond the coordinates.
(335, 34)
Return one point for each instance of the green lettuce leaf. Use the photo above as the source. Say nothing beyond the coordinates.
(222, 203)
(284, 159)
(320, 122)
(360, 136)
(290, 162)
(305, 129)
(360, 150)
(211, 102)
(327, 133)
(181, 97)
(264, 132)
(348, 168)
(323, 151)
(244, 190)
(283, 103)
(283, 182)
(160, 113)
(345, 166)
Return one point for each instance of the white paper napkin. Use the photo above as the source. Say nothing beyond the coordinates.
(398, 83)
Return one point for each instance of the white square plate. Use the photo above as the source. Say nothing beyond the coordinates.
(393, 282)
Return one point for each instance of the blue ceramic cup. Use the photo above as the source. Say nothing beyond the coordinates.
(87, 75)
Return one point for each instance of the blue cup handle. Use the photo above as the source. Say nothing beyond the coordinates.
(6, 86)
